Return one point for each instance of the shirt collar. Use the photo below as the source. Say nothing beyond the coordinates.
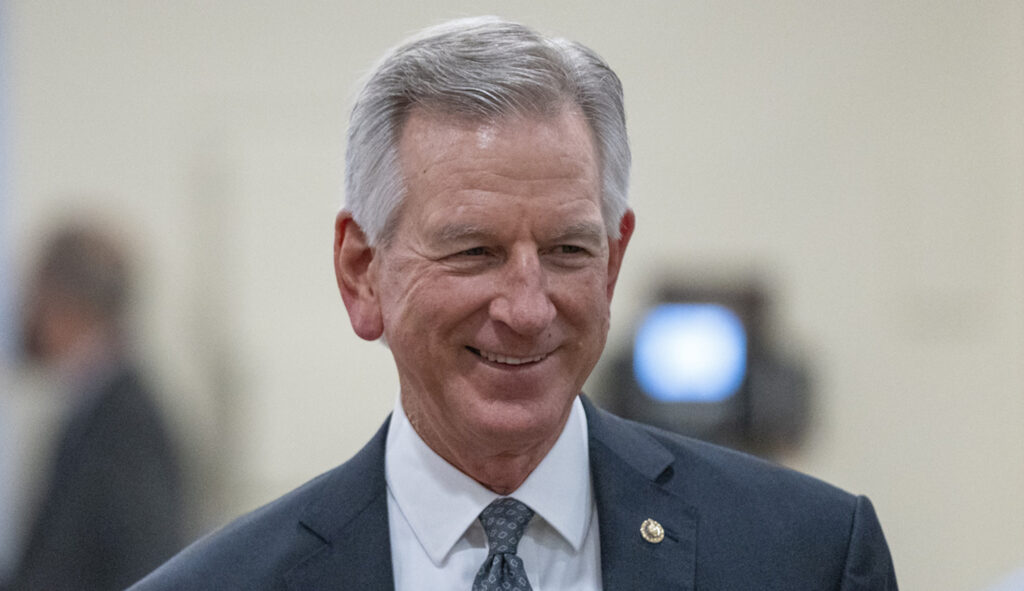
(440, 503)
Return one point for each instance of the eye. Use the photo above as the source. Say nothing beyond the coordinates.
(472, 260)
(569, 249)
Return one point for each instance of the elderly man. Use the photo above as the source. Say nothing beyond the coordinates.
(484, 229)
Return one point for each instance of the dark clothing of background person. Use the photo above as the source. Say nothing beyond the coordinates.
(112, 510)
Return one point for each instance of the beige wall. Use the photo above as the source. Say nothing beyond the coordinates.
(867, 157)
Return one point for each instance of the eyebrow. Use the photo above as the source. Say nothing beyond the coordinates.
(456, 232)
(587, 230)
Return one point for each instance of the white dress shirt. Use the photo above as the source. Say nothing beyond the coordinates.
(437, 543)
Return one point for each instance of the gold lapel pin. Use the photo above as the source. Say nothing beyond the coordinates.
(652, 531)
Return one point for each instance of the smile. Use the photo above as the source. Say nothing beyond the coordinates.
(506, 360)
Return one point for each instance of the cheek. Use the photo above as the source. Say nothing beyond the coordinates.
(582, 299)
(404, 287)
(429, 304)
(586, 312)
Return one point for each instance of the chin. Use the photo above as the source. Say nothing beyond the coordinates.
(523, 419)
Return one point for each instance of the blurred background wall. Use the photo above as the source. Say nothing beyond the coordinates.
(864, 159)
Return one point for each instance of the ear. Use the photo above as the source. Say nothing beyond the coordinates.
(617, 249)
(353, 258)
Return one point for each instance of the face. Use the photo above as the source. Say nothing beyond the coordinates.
(493, 293)
(52, 324)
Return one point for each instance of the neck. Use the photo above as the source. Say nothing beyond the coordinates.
(501, 474)
(499, 468)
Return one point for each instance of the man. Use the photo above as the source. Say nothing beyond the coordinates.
(112, 509)
(484, 230)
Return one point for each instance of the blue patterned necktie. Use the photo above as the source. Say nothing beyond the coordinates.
(504, 521)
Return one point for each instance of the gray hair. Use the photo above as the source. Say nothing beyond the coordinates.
(478, 68)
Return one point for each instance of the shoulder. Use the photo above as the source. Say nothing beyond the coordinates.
(696, 469)
(257, 550)
(115, 441)
(737, 475)
(734, 488)
(755, 520)
(122, 410)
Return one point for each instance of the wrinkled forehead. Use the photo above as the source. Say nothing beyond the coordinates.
(436, 128)
(528, 147)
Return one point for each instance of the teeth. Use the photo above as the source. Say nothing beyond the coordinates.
(496, 358)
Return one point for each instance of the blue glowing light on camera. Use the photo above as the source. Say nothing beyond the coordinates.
(690, 353)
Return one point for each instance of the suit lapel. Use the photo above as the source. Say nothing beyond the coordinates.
(628, 468)
(351, 518)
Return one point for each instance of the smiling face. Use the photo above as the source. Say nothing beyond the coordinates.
(493, 294)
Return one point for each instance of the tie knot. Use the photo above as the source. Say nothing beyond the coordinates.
(504, 521)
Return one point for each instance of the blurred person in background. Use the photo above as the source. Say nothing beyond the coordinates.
(111, 508)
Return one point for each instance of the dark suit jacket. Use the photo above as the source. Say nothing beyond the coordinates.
(112, 510)
(731, 522)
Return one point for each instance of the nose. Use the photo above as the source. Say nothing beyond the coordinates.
(522, 301)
